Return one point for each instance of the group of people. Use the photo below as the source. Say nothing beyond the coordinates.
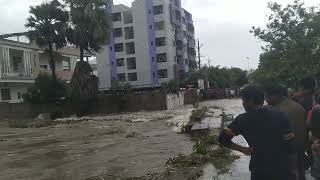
(283, 136)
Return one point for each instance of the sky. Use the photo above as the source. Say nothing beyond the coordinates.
(222, 26)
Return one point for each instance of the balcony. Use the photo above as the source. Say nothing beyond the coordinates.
(16, 64)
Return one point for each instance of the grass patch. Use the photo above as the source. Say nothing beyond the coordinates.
(198, 113)
(221, 157)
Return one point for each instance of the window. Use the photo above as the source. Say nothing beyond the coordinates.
(179, 59)
(19, 95)
(5, 94)
(158, 9)
(183, 20)
(127, 17)
(130, 48)
(176, 3)
(132, 77)
(66, 65)
(184, 34)
(118, 47)
(116, 16)
(16, 57)
(121, 77)
(128, 32)
(159, 25)
(163, 73)
(186, 61)
(160, 41)
(162, 57)
(178, 15)
(131, 63)
(179, 45)
(190, 27)
(117, 32)
(44, 66)
(120, 62)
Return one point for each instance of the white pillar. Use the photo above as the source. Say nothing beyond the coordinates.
(6, 60)
(27, 62)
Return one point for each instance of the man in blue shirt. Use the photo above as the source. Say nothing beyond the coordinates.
(268, 134)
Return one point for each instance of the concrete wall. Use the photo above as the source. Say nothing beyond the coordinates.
(106, 104)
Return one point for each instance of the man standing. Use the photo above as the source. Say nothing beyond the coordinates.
(268, 134)
(276, 96)
(305, 96)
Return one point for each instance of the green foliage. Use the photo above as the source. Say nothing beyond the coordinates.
(120, 87)
(221, 157)
(293, 40)
(90, 24)
(171, 87)
(220, 77)
(48, 24)
(45, 90)
(84, 84)
(89, 31)
(198, 113)
(201, 147)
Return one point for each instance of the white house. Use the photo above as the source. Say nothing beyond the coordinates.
(21, 62)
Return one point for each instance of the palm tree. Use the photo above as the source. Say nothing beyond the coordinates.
(48, 23)
(90, 30)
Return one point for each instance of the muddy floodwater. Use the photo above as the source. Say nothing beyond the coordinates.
(123, 145)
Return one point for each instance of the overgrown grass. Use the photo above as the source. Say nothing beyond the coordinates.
(198, 113)
(220, 157)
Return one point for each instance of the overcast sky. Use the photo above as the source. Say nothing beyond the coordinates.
(221, 25)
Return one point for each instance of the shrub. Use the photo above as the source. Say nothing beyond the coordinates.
(45, 90)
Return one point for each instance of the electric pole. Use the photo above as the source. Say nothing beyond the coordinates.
(209, 62)
(199, 54)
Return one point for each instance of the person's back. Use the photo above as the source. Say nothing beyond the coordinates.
(264, 129)
(305, 96)
(297, 117)
(268, 133)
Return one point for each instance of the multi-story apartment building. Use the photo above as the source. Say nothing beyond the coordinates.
(20, 64)
(152, 42)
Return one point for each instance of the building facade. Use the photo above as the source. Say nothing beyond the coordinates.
(20, 64)
(152, 42)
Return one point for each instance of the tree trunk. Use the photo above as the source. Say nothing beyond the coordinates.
(52, 63)
(81, 53)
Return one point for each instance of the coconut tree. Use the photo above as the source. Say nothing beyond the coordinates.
(90, 31)
(48, 25)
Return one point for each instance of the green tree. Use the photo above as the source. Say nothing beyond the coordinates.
(293, 44)
(219, 77)
(45, 90)
(90, 30)
(48, 24)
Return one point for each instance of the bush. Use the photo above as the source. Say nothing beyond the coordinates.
(45, 90)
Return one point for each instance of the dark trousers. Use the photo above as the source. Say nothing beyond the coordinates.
(264, 176)
(301, 165)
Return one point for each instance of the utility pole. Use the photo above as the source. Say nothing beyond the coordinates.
(209, 62)
(248, 58)
(199, 54)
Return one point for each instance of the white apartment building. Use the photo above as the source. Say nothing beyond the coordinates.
(152, 42)
(20, 64)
